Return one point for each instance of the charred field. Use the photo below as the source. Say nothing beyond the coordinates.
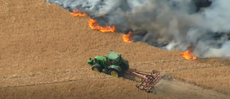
(44, 52)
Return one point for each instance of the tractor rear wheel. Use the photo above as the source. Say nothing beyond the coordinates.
(97, 68)
(115, 73)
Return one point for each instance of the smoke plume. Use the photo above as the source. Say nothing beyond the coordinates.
(168, 24)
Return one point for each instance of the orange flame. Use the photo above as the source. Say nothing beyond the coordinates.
(77, 13)
(126, 38)
(93, 25)
(188, 54)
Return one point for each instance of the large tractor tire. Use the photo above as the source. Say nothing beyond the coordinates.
(97, 68)
(115, 73)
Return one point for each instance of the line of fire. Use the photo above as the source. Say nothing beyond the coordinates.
(127, 37)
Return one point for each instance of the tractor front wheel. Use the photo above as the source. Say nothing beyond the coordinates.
(115, 73)
(97, 68)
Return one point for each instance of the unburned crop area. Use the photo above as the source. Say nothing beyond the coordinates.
(44, 52)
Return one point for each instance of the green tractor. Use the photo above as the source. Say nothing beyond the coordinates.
(112, 64)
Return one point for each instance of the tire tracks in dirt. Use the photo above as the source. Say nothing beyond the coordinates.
(67, 71)
(63, 72)
(57, 82)
(52, 77)
(69, 75)
(56, 72)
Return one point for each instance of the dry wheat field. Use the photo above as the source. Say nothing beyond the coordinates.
(44, 52)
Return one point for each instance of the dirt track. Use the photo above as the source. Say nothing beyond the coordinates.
(43, 54)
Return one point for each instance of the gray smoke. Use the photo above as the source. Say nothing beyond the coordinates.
(168, 24)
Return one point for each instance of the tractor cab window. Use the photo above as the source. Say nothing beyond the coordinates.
(118, 60)
(108, 62)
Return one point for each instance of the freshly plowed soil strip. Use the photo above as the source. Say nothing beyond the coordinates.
(175, 89)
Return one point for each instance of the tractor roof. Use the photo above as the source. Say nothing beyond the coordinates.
(113, 55)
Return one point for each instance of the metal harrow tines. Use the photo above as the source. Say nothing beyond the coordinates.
(148, 80)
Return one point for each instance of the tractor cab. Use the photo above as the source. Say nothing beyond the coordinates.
(114, 58)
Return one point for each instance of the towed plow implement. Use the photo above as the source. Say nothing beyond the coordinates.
(148, 80)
